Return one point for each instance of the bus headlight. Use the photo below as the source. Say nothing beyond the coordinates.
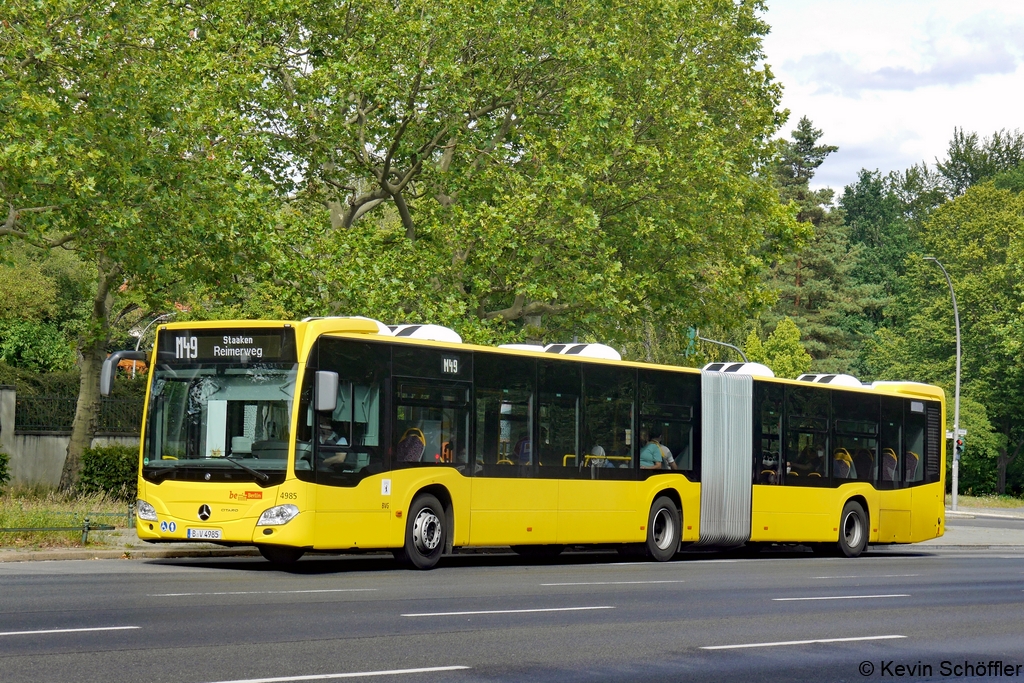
(278, 515)
(145, 511)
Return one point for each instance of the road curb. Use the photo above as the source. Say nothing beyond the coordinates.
(123, 554)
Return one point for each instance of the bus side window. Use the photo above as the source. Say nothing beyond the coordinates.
(347, 442)
(503, 414)
(769, 463)
(670, 403)
(558, 453)
(890, 458)
(807, 436)
(915, 424)
(855, 451)
(608, 423)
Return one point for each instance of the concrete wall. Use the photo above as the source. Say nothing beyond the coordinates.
(39, 458)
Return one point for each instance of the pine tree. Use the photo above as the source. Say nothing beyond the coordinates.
(817, 288)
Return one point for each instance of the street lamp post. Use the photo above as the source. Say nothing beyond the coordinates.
(721, 343)
(956, 403)
(145, 329)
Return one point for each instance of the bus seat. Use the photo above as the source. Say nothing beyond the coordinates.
(842, 463)
(814, 474)
(910, 465)
(889, 462)
(864, 464)
(769, 477)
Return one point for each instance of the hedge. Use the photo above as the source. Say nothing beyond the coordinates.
(5, 472)
(113, 470)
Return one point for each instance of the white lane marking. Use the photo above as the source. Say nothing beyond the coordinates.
(68, 630)
(607, 583)
(507, 611)
(354, 674)
(844, 597)
(878, 576)
(798, 642)
(318, 590)
(686, 562)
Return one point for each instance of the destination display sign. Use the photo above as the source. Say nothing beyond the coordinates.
(260, 345)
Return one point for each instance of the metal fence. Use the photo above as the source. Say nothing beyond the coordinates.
(52, 414)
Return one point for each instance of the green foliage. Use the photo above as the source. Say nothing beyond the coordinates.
(1012, 180)
(526, 179)
(113, 470)
(781, 351)
(40, 347)
(971, 160)
(5, 472)
(816, 285)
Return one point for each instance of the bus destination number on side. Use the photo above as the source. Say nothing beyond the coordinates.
(451, 366)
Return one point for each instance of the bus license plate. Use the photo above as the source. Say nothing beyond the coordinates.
(206, 534)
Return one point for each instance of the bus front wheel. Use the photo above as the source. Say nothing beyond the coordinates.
(853, 530)
(663, 529)
(280, 555)
(425, 533)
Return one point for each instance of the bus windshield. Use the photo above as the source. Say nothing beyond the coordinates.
(219, 422)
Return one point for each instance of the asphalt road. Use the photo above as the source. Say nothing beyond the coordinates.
(587, 617)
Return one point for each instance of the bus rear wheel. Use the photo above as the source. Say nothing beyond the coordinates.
(664, 527)
(281, 555)
(425, 533)
(853, 530)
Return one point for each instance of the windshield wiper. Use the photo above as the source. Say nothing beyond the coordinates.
(256, 473)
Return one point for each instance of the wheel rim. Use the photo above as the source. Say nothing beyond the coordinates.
(852, 530)
(663, 529)
(426, 531)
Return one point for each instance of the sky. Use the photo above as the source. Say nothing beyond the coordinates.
(889, 81)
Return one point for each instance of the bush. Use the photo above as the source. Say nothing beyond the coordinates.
(5, 472)
(112, 470)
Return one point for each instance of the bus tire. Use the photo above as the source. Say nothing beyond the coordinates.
(853, 530)
(538, 552)
(280, 554)
(663, 529)
(425, 533)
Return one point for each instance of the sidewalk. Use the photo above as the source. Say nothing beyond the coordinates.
(125, 544)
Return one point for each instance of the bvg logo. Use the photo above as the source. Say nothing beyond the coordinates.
(245, 495)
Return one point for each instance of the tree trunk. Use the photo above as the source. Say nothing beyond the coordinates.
(1003, 461)
(92, 349)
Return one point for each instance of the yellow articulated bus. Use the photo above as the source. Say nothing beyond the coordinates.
(344, 435)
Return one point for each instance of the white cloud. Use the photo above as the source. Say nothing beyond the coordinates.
(889, 81)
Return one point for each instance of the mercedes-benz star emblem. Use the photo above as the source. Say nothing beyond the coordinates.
(204, 512)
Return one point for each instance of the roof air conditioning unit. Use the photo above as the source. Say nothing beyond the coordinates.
(427, 332)
(585, 350)
(752, 369)
(838, 380)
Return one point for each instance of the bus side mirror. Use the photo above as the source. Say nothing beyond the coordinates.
(326, 394)
(109, 370)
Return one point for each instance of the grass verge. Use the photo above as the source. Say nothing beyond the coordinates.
(989, 501)
(35, 506)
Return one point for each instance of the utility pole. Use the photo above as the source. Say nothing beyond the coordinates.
(956, 403)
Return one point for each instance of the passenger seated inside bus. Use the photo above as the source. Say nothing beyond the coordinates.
(809, 463)
(521, 454)
(651, 456)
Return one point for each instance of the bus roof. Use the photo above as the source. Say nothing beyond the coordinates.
(307, 331)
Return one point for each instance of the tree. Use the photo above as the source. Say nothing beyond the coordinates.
(782, 351)
(978, 237)
(519, 169)
(971, 160)
(816, 286)
(113, 143)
